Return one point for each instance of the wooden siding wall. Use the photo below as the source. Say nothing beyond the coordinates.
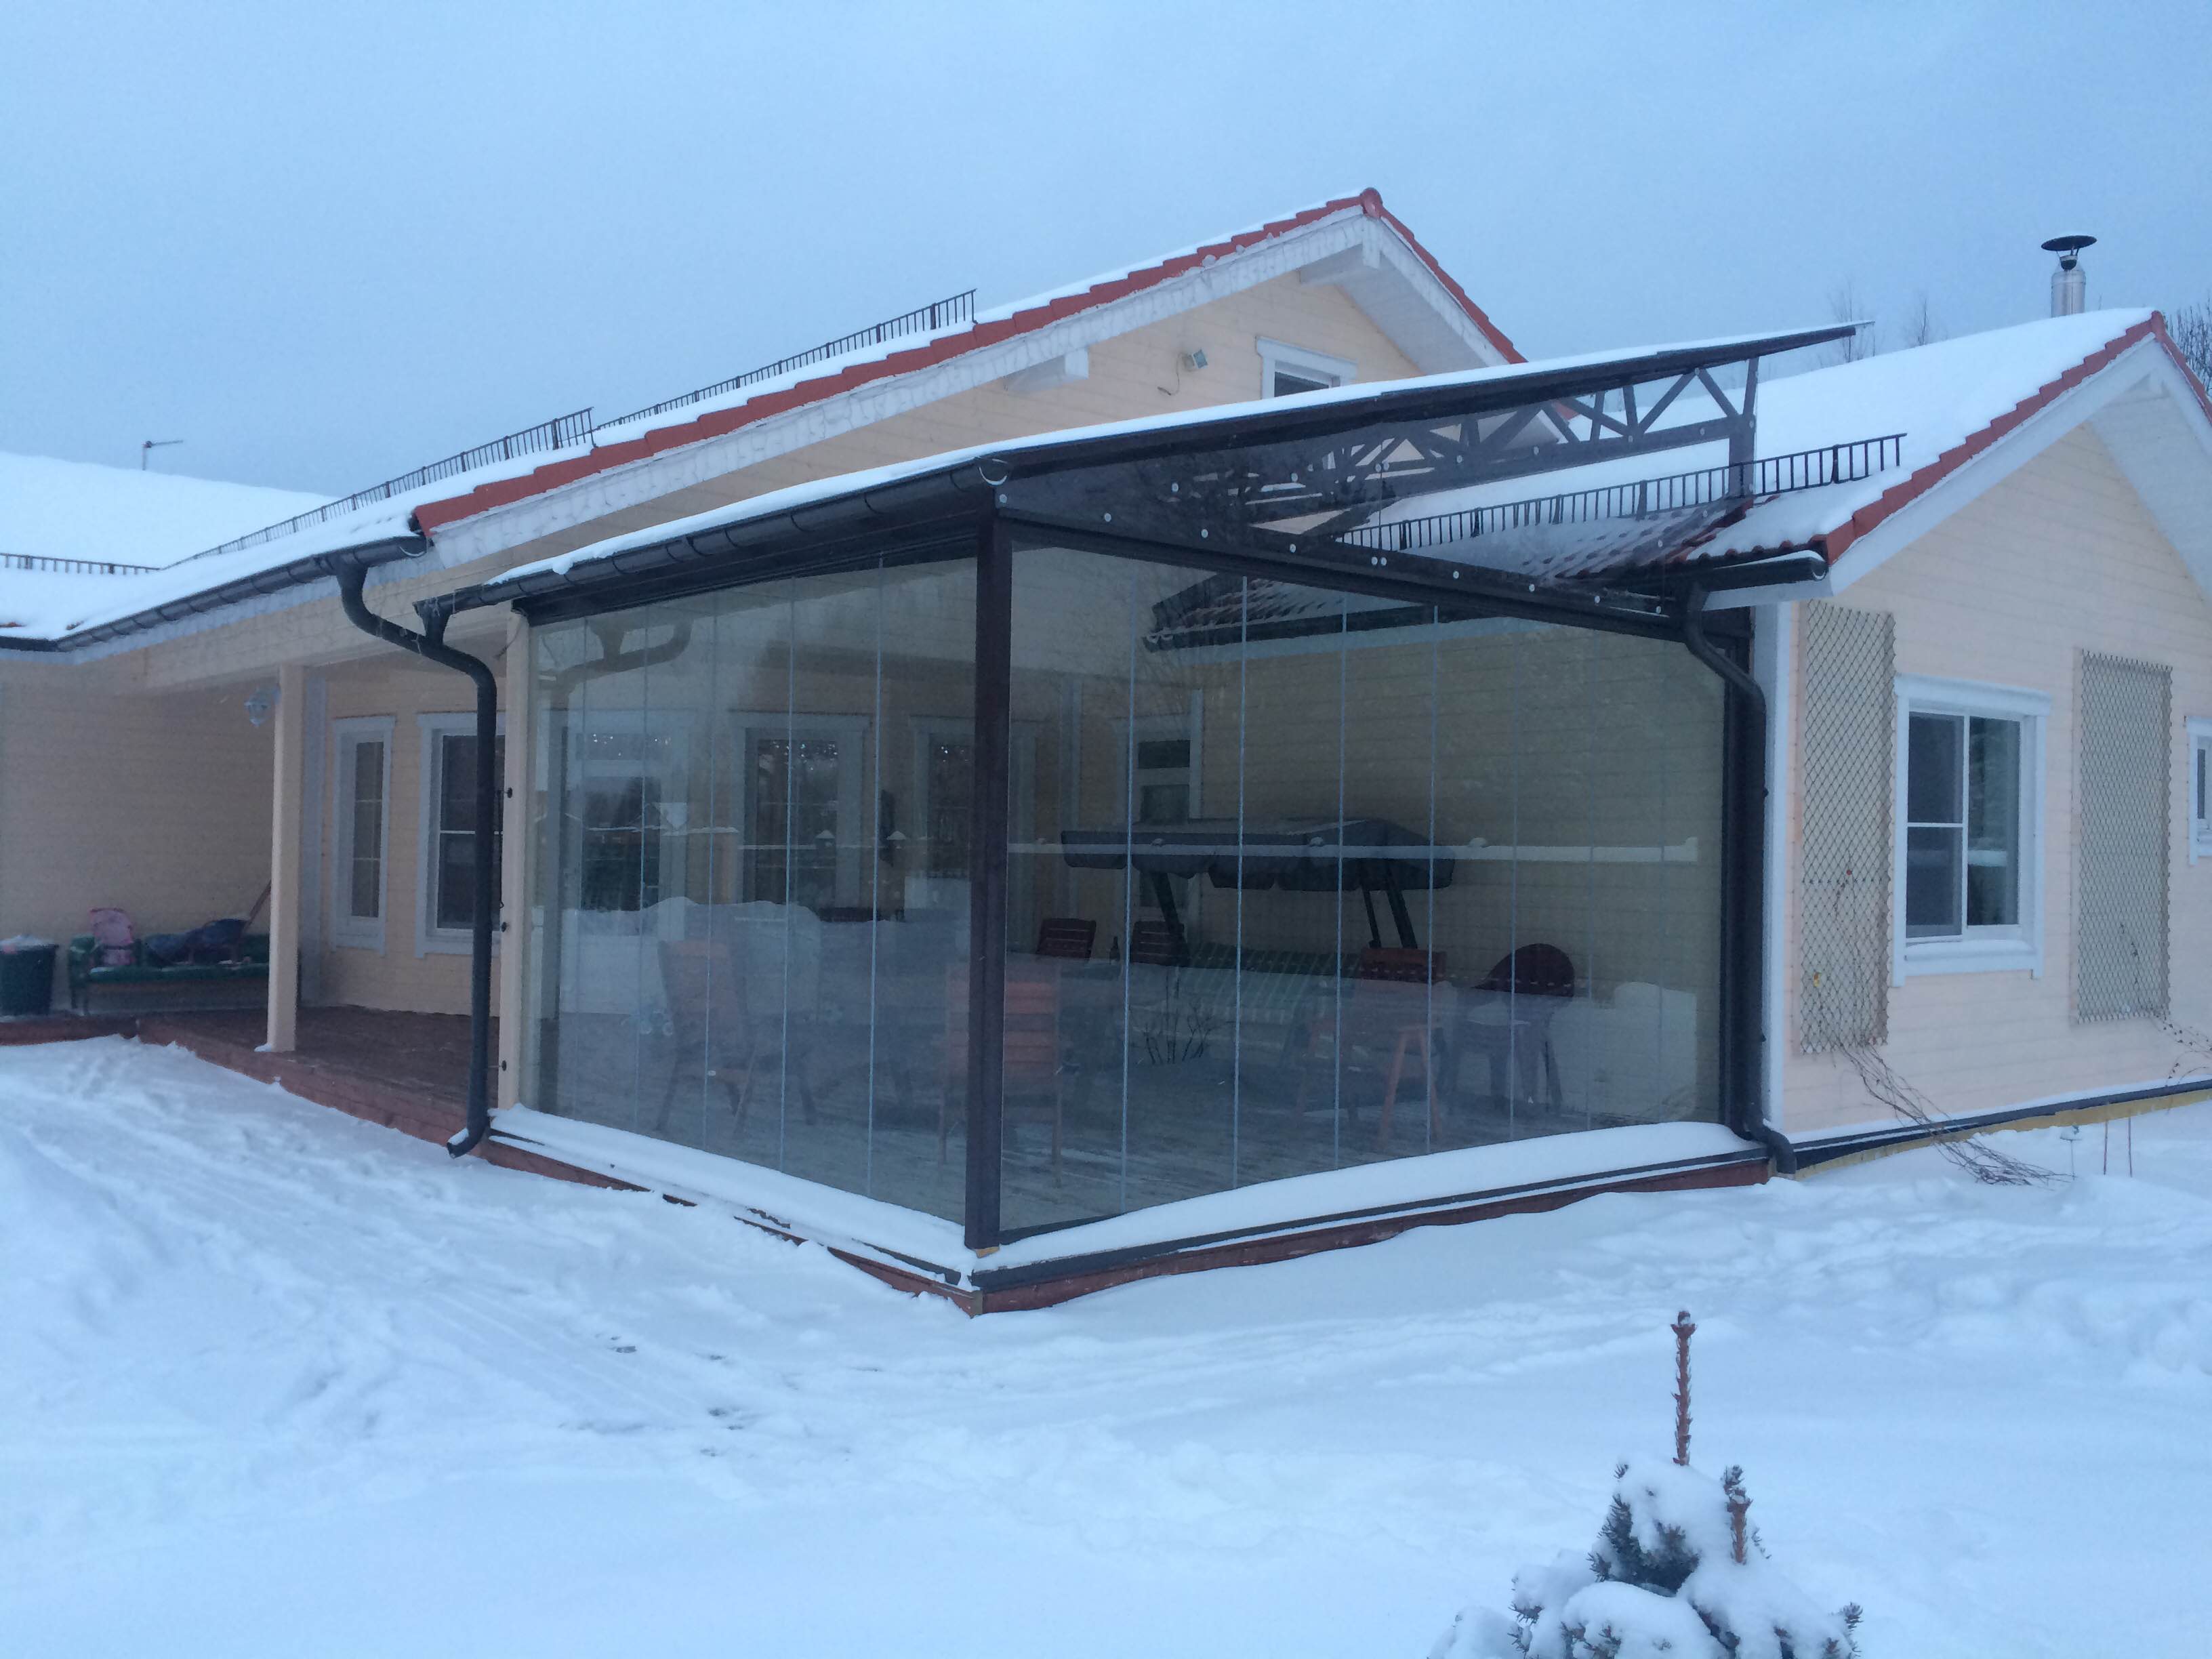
(2060, 558)
(109, 796)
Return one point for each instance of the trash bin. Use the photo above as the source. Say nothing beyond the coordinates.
(26, 975)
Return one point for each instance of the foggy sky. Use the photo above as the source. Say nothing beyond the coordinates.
(324, 243)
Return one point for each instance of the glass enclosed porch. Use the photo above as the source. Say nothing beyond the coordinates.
(1295, 878)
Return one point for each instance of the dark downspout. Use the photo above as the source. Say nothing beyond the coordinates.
(430, 646)
(1744, 891)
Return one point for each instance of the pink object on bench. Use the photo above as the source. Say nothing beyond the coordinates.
(113, 937)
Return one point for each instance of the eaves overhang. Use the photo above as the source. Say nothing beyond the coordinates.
(298, 573)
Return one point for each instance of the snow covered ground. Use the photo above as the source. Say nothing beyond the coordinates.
(275, 1381)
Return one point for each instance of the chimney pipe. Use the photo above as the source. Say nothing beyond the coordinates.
(2069, 283)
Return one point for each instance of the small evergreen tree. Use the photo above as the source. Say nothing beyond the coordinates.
(1677, 1572)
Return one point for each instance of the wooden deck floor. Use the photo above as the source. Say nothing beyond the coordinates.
(425, 1055)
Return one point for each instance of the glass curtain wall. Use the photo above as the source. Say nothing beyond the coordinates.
(1297, 880)
(751, 904)
(1301, 880)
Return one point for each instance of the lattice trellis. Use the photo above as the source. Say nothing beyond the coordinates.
(2122, 810)
(1848, 739)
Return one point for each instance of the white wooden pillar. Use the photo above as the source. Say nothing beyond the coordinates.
(285, 897)
(517, 948)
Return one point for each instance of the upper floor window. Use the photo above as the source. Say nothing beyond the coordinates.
(1285, 371)
(1970, 834)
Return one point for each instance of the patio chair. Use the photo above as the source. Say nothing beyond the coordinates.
(1531, 985)
(1385, 1010)
(1069, 938)
(1032, 1065)
(712, 1039)
(715, 1032)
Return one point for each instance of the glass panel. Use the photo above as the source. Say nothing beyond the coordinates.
(1931, 882)
(1993, 849)
(749, 949)
(921, 784)
(1933, 768)
(1443, 881)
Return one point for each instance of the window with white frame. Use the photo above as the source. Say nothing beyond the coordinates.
(446, 902)
(1164, 772)
(360, 797)
(2200, 788)
(1969, 843)
(1286, 371)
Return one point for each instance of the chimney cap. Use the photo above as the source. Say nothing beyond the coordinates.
(2068, 248)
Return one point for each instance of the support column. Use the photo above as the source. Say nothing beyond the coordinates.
(518, 834)
(285, 896)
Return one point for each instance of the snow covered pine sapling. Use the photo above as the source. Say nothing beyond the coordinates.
(1677, 1572)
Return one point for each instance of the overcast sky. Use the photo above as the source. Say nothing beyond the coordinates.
(324, 243)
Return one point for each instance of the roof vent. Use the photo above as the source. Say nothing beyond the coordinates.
(2070, 285)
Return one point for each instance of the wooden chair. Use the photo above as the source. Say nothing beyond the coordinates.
(1069, 938)
(716, 1035)
(1031, 1062)
(1386, 1009)
(1155, 944)
(713, 1040)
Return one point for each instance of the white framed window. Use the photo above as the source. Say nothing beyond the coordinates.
(444, 887)
(806, 835)
(1969, 845)
(1285, 371)
(1164, 773)
(361, 821)
(2200, 787)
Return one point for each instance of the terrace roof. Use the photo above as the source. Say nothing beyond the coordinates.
(1299, 486)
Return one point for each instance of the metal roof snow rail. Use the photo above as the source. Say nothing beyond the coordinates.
(562, 432)
(1775, 474)
(922, 319)
(54, 563)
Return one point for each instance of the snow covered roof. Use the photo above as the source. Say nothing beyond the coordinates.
(1943, 405)
(78, 539)
(53, 509)
(1955, 402)
(1382, 265)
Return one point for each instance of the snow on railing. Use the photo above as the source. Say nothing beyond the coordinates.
(71, 566)
(1804, 469)
(922, 319)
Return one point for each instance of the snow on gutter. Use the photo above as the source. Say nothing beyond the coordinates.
(389, 549)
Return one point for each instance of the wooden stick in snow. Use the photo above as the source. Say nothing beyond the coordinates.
(1683, 1330)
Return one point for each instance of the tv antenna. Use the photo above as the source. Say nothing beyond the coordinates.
(153, 444)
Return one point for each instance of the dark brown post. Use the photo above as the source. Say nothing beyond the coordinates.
(986, 871)
(1683, 1330)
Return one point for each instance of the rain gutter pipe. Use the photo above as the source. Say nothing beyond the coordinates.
(1747, 911)
(430, 646)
